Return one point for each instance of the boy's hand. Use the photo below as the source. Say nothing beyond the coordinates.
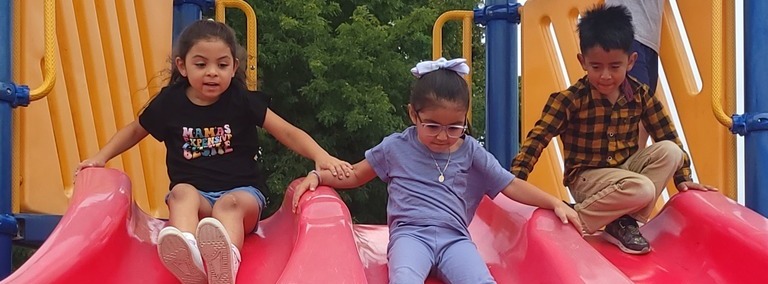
(334, 165)
(89, 163)
(309, 183)
(686, 185)
(568, 215)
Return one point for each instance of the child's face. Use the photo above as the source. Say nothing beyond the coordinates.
(606, 70)
(210, 67)
(439, 127)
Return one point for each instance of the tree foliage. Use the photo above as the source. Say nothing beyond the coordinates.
(340, 71)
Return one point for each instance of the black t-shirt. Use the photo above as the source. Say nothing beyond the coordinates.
(212, 147)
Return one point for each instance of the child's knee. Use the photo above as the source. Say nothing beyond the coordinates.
(669, 151)
(640, 189)
(239, 202)
(182, 192)
(228, 202)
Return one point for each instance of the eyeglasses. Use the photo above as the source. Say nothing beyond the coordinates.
(434, 129)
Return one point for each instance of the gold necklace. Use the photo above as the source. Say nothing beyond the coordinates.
(441, 178)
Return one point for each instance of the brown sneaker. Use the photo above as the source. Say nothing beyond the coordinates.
(625, 234)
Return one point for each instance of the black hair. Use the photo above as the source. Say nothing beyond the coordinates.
(439, 85)
(206, 30)
(609, 27)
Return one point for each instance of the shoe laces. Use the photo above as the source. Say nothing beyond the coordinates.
(630, 226)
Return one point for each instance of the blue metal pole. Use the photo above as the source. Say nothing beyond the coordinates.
(502, 129)
(6, 219)
(184, 13)
(756, 105)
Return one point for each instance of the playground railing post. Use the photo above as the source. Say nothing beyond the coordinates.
(502, 129)
(754, 123)
(7, 221)
(187, 11)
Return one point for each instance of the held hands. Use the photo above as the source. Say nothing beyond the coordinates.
(686, 185)
(309, 183)
(336, 166)
(568, 215)
(89, 163)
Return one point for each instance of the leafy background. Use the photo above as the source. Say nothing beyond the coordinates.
(340, 71)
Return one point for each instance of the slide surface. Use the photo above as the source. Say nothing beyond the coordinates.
(105, 238)
(700, 237)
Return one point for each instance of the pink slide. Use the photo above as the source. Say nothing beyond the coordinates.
(105, 238)
(698, 238)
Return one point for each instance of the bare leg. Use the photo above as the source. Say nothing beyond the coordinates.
(239, 212)
(179, 253)
(186, 207)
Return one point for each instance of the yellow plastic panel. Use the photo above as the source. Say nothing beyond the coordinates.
(111, 55)
(711, 145)
(542, 75)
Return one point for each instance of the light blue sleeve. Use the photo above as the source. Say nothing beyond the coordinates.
(489, 173)
(377, 158)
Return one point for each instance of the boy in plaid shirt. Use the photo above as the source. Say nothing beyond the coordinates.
(614, 184)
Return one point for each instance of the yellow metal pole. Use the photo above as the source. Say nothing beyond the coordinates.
(250, 15)
(49, 61)
(466, 46)
(717, 64)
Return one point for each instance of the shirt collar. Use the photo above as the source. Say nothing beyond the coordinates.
(630, 90)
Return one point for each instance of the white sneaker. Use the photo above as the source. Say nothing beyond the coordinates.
(222, 259)
(180, 256)
(235, 260)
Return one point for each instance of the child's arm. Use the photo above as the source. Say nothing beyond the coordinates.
(123, 140)
(301, 143)
(660, 127)
(362, 173)
(553, 121)
(526, 193)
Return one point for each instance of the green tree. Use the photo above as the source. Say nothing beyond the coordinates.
(340, 71)
(20, 254)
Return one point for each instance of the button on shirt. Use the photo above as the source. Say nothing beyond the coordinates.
(595, 132)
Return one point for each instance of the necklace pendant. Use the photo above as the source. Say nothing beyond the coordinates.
(441, 178)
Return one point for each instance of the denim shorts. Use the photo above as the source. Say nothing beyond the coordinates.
(213, 196)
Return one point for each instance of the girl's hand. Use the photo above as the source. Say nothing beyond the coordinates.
(309, 183)
(686, 185)
(336, 166)
(89, 163)
(567, 214)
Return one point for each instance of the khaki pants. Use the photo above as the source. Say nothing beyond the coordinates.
(605, 194)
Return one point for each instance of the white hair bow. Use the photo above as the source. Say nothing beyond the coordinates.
(458, 65)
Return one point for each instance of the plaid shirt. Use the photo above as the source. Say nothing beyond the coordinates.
(596, 133)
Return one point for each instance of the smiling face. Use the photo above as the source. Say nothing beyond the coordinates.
(209, 66)
(606, 70)
(445, 114)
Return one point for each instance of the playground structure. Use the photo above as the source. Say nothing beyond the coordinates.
(99, 52)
